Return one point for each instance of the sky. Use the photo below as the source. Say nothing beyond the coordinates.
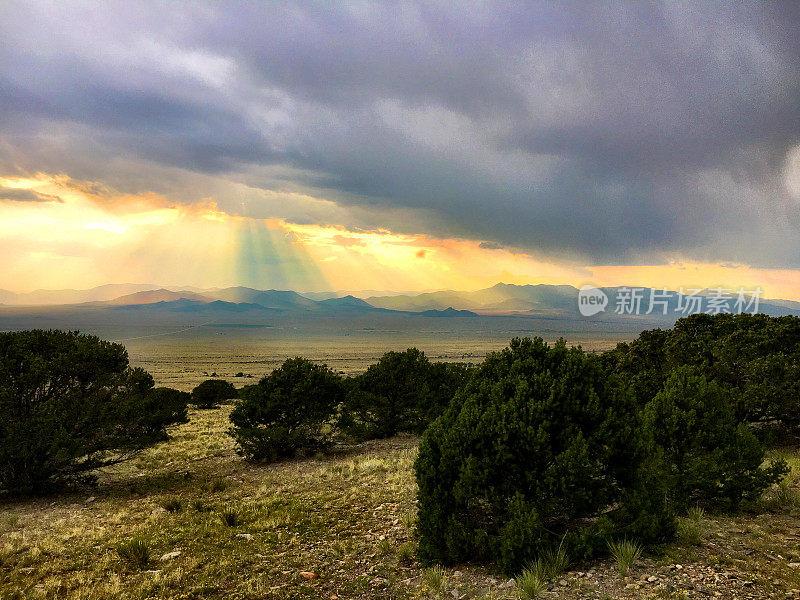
(400, 146)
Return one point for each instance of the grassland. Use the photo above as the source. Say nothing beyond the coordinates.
(190, 519)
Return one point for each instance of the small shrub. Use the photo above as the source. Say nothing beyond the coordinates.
(689, 532)
(288, 412)
(172, 505)
(409, 521)
(200, 505)
(230, 517)
(625, 553)
(712, 457)
(435, 578)
(135, 552)
(696, 513)
(211, 392)
(402, 392)
(531, 582)
(10, 521)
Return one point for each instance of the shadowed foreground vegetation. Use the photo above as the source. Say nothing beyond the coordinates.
(340, 525)
(640, 472)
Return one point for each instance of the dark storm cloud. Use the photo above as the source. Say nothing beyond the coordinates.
(604, 132)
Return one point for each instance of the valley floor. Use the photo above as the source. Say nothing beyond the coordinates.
(333, 527)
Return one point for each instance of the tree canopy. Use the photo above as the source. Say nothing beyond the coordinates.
(402, 392)
(288, 411)
(69, 404)
(211, 392)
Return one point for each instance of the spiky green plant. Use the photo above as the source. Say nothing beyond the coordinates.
(135, 552)
(532, 581)
(625, 553)
(690, 527)
(172, 505)
(554, 561)
(435, 578)
(406, 553)
(230, 517)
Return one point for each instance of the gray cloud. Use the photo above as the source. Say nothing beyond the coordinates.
(603, 132)
(490, 246)
(20, 195)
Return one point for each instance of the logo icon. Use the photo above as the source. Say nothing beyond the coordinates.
(591, 300)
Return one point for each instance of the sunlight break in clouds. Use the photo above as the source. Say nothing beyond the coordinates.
(83, 234)
(584, 141)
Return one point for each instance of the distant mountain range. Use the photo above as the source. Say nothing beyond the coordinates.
(499, 299)
(541, 301)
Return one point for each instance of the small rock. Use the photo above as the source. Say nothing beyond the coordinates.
(308, 575)
(794, 565)
(652, 578)
(562, 582)
(90, 499)
(454, 593)
(245, 536)
(508, 584)
(171, 555)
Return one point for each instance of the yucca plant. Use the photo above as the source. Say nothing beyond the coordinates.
(532, 581)
(230, 517)
(217, 485)
(135, 552)
(696, 514)
(384, 547)
(625, 553)
(172, 505)
(785, 496)
(434, 578)
(690, 528)
(553, 562)
(406, 553)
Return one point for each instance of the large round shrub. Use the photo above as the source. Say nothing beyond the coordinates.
(288, 411)
(69, 404)
(710, 457)
(402, 392)
(211, 392)
(539, 448)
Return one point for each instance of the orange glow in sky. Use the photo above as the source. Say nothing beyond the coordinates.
(76, 236)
